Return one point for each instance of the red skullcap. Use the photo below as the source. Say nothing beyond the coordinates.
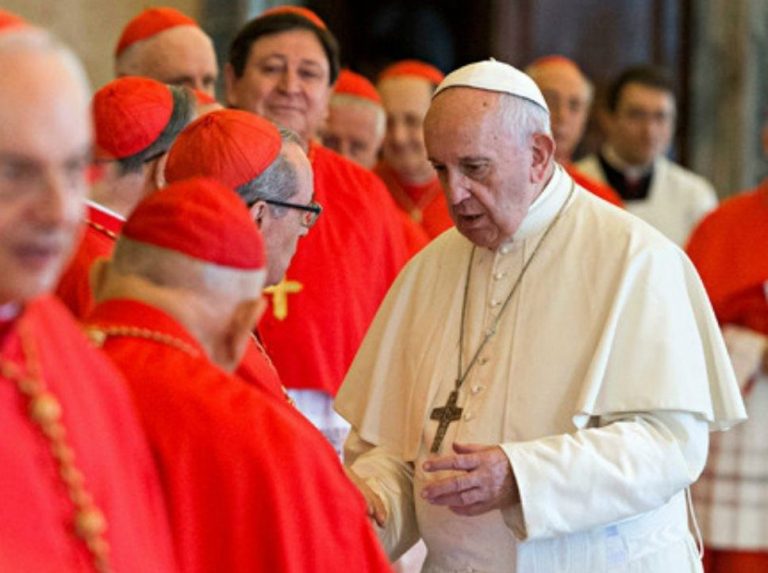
(413, 68)
(129, 114)
(229, 145)
(149, 23)
(10, 21)
(305, 13)
(202, 219)
(350, 83)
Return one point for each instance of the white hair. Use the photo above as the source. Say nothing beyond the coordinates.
(168, 268)
(523, 117)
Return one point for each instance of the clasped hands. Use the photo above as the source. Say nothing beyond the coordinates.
(482, 481)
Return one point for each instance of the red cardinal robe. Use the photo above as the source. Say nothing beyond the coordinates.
(338, 277)
(111, 451)
(251, 485)
(102, 228)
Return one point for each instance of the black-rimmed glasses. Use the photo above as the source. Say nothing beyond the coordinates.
(310, 212)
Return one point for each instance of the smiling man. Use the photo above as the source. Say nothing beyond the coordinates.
(639, 121)
(513, 422)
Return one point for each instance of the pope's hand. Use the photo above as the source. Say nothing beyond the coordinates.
(485, 481)
(375, 506)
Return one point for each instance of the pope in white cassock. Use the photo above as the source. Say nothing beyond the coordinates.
(536, 391)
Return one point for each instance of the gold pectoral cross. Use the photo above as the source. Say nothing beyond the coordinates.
(280, 294)
(447, 414)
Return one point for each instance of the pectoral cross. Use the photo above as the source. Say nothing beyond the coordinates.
(447, 414)
(280, 293)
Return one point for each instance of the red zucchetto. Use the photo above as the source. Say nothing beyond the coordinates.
(129, 114)
(149, 23)
(350, 83)
(200, 218)
(305, 13)
(228, 145)
(10, 21)
(413, 68)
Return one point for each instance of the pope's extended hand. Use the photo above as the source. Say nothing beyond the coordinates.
(375, 506)
(485, 483)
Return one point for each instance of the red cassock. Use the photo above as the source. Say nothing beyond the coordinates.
(338, 277)
(728, 248)
(251, 485)
(425, 203)
(256, 368)
(98, 241)
(36, 534)
(593, 186)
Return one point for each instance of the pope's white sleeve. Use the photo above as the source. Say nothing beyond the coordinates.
(391, 479)
(621, 467)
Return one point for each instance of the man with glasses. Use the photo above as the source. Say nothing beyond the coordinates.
(639, 120)
(272, 176)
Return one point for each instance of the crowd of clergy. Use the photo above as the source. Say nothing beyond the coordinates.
(335, 323)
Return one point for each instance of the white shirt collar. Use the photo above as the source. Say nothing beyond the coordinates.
(103, 209)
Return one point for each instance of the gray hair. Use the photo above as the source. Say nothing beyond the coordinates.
(168, 268)
(523, 118)
(183, 104)
(278, 182)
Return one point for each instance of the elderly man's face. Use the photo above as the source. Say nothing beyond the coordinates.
(281, 234)
(180, 56)
(286, 81)
(45, 139)
(568, 96)
(488, 176)
(406, 101)
(354, 130)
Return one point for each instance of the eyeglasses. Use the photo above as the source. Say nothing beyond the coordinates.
(310, 212)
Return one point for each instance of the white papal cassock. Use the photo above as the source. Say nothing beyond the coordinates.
(606, 374)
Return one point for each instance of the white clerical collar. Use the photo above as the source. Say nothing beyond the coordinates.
(545, 207)
(631, 172)
(9, 311)
(99, 207)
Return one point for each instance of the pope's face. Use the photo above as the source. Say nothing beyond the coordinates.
(406, 101)
(641, 127)
(489, 177)
(285, 80)
(45, 139)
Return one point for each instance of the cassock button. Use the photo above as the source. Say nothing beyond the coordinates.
(495, 303)
(499, 276)
(483, 361)
(477, 388)
(505, 249)
(468, 416)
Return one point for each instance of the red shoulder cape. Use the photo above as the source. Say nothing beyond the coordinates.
(110, 450)
(252, 486)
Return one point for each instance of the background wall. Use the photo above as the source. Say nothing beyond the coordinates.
(717, 49)
(91, 27)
